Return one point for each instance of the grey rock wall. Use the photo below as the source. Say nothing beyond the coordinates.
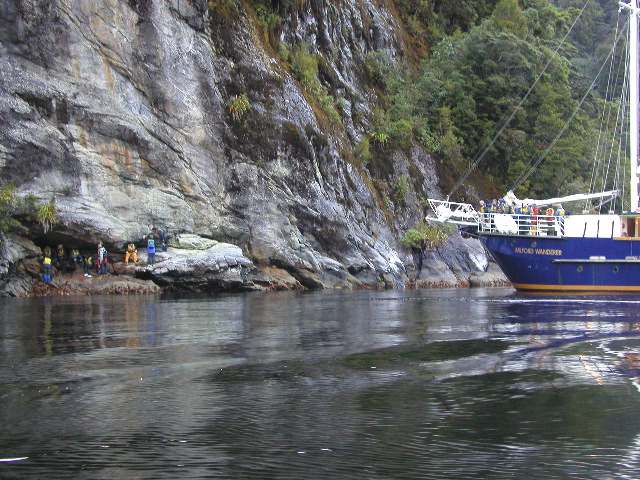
(119, 110)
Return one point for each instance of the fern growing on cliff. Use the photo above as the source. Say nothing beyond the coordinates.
(239, 106)
(379, 137)
(47, 215)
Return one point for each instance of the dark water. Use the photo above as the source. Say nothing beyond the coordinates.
(442, 384)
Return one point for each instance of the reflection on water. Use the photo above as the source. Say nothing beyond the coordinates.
(443, 384)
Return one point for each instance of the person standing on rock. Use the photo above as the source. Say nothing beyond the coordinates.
(61, 259)
(46, 265)
(163, 237)
(75, 259)
(151, 250)
(88, 263)
(101, 260)
(105, 262)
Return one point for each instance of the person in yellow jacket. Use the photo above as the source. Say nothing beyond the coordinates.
(46, 265)
(131, 252)
(88, 265)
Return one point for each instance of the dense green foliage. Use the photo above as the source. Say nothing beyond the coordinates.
(16, 210)
(427, 236)
(473, 81)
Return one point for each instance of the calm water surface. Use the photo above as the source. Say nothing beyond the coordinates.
(441, 384)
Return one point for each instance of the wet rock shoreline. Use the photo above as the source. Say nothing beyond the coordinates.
(196, 264)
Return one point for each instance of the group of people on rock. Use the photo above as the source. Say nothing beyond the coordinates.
(75, 260)
(63, 263)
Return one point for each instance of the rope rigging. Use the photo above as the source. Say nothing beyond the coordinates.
(483, 151)
(606, 118)
(567, 123)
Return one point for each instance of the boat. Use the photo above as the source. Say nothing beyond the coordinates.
(589, 252)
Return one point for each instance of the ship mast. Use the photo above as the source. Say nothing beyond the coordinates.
(632, 8)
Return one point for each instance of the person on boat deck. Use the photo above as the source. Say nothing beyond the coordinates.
(534, 209)
(525, 221)
(483, 207)
(549, 213)
(550, 220)
(505, 207)
(560, 216)
(493, 208)
(535, 212)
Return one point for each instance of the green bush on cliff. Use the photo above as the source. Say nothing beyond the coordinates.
(221, 5)
(328, 105)
(362, 150)
(8, 208)
(472, 62)
(400, 188)
(427, 235)
(14, 210)
(304, 67)
(379, 67)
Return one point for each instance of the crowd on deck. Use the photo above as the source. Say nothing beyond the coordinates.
(501, 206)
(529, 218)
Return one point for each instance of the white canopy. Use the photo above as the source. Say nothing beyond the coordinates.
(511, 197)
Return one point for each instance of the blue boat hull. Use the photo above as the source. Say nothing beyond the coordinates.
(567, 264)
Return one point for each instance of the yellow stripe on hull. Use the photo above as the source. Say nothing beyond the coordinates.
(577, 288)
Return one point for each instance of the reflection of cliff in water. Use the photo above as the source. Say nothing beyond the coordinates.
(414, 384)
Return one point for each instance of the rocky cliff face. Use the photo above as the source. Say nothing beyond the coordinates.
(122, 111)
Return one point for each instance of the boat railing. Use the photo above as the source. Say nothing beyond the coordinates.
(521, 224)
(491, 222)
(454, 212)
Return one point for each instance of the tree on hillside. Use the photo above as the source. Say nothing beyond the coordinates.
(479, 75)
(508, 17)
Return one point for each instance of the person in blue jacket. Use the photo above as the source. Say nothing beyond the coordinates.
(151, 250)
